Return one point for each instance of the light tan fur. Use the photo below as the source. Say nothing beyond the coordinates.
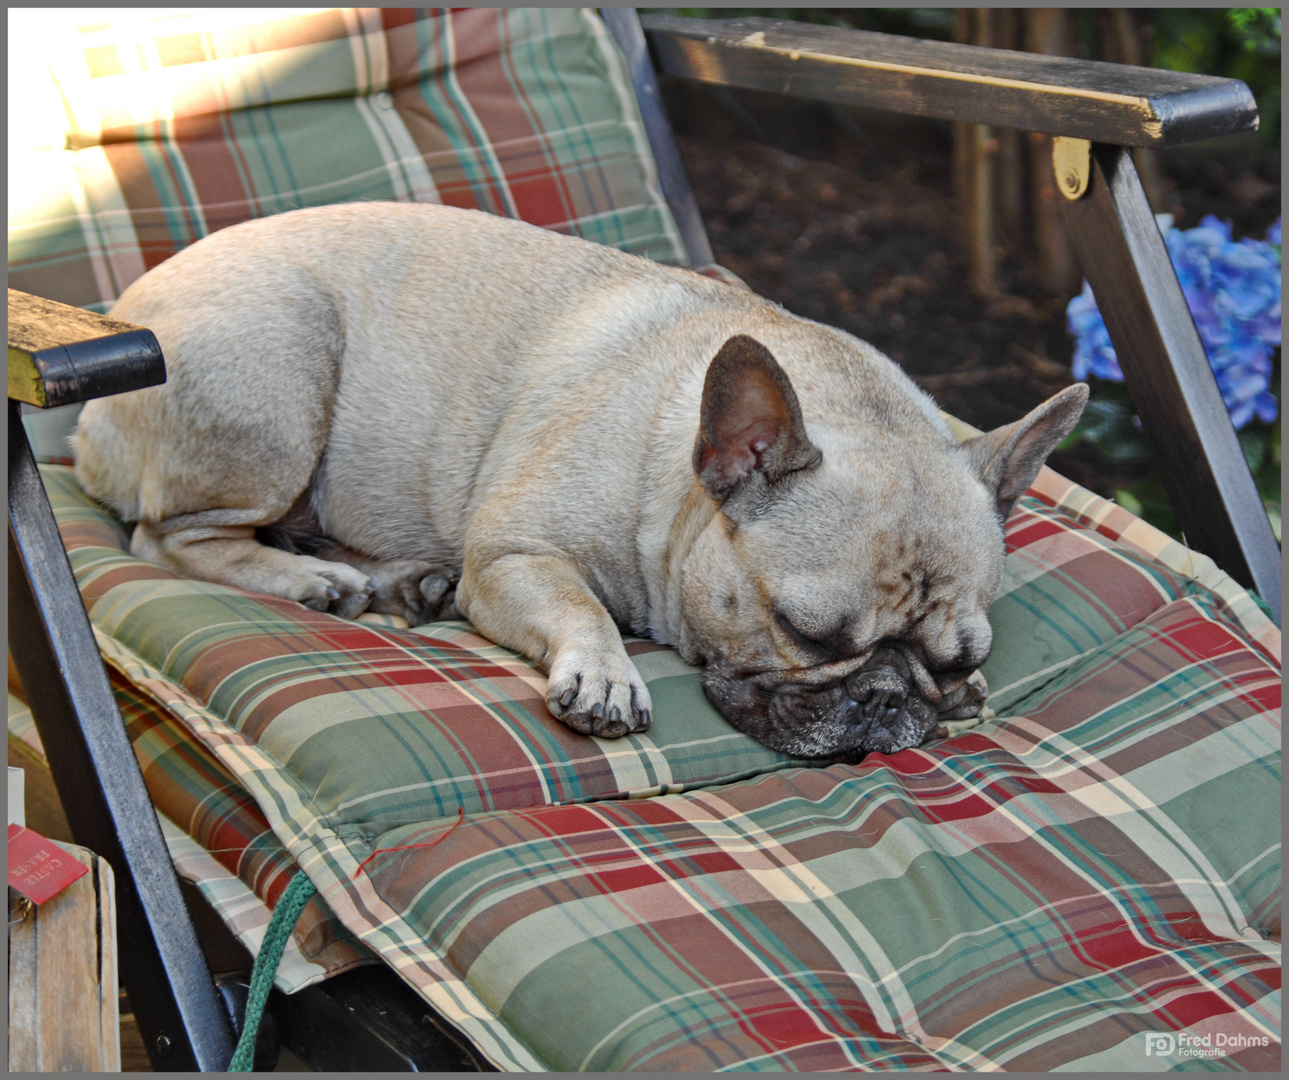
(489, 401)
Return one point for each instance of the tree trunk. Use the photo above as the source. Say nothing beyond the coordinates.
(974, 151)
(1010, 175)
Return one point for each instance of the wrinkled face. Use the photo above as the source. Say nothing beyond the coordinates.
(839, 596)
(844, 618)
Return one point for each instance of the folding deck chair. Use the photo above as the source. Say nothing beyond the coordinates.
(1096, 863)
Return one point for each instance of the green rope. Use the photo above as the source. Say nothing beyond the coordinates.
(269, 957)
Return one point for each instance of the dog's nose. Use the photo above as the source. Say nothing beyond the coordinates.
(882, 692)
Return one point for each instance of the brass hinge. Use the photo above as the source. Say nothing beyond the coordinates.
(1072, 163)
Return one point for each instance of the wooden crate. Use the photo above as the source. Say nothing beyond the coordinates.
(63, 1014)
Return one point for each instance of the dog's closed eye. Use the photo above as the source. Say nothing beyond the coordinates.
(824, 644)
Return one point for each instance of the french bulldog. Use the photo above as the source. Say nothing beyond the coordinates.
(435, 412)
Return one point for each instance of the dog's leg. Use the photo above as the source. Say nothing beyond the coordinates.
(205, 546)
(542, 606)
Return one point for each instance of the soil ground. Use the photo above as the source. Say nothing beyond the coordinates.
(851, 221)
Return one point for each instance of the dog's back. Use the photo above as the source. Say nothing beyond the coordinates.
(286, 338)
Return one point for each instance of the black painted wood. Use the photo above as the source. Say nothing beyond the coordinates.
(624, 25)
(1109, 103)
(1167, 373)
(99, 783)
(369, 1020)
(61, 355)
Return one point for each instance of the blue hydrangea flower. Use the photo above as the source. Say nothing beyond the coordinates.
(1233, 292)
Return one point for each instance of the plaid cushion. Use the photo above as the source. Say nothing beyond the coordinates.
(1099, 863)
(148, 130)
(1038, 893)
(382, 726)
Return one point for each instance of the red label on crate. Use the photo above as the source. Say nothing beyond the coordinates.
(39, 868)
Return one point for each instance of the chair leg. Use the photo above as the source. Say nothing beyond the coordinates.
(183, 1021)
(1124, 257)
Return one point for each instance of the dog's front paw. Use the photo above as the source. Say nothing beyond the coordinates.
(602, 696)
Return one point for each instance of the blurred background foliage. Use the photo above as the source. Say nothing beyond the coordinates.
(1240, 43)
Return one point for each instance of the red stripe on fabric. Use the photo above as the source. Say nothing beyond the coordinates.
(625, 878)
(1120, 593)
(1038, 529)
(183, 206)
(140, 193)
(538, 199)
(1265, 698)
(1204, 1006)
(550, 171)
(79, 534)
(391, 18)
(1202, 638)
(447, 32)
(567, 821)
(125, 574)
(1111, 945)
(213, 166)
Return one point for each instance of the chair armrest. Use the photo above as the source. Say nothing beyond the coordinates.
(1084, 99)
(60, 355)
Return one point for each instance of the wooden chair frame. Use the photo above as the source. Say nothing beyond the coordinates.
(60, 355)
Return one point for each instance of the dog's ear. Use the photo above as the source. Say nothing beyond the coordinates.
(750, 422)
(1008, 458)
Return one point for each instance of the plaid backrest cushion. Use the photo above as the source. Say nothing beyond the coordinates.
(147, 130)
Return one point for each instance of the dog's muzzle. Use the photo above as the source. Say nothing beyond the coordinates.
(890, 703)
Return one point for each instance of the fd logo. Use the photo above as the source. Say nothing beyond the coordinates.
(1160, 1044)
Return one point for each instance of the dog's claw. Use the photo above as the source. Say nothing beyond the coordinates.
(596, 703)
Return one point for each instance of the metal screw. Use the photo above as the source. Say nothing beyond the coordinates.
(165, 1045)
(1071, 179)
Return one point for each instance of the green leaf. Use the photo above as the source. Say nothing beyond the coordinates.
(1110, 425)
(1254, 440)
(1128, 501)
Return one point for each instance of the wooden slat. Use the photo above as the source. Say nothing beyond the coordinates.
(59, 355)
(62, 979)
(1168, 375)
(1109, 103)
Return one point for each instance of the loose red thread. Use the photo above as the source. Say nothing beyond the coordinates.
(408, 847)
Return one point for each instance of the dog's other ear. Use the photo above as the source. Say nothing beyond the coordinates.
(1008, 458)
(750, 421)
